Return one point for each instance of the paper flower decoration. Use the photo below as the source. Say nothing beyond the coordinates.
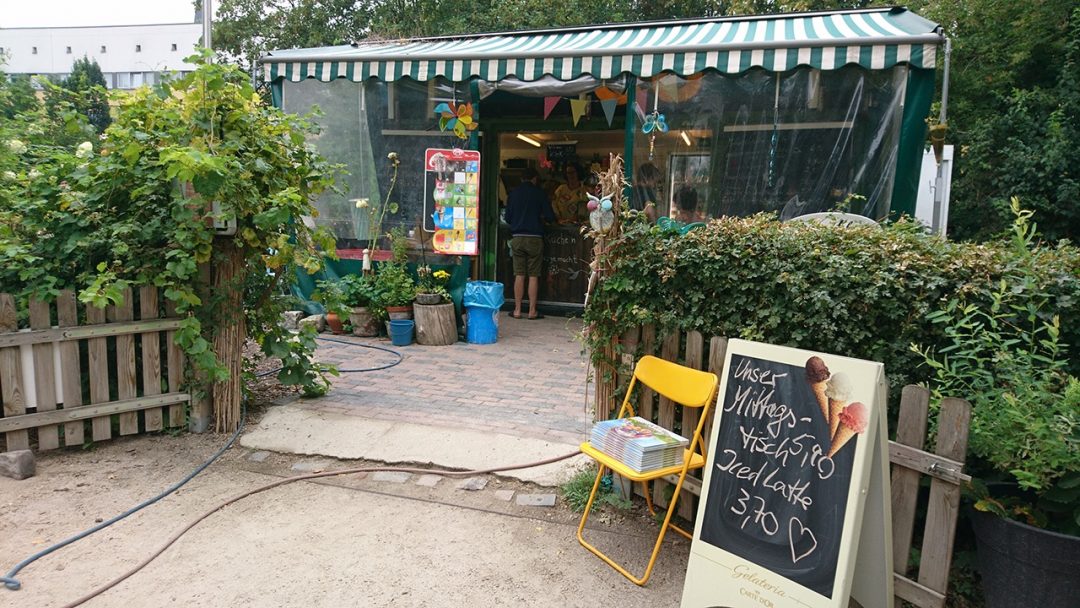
(655, 122)
(460, 122)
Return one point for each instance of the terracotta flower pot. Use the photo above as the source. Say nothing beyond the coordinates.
(334, 322)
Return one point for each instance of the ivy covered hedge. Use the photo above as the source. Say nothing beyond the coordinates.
(864, 292)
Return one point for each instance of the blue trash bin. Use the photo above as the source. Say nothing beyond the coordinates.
(482, 301)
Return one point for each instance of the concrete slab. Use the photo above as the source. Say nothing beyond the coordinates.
(311, 466)
(504, 495)
(536, 500)
(297, 430)
(429, 481)
(473, 484)
(391, 476)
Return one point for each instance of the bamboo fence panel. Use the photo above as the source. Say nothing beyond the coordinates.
(68, 391)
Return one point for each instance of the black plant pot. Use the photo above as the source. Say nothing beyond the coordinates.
(1023, 566)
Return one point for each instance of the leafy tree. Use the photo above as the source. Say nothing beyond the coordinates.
(16, 96)
(1013, 111)
(85, 89)
(246, 29)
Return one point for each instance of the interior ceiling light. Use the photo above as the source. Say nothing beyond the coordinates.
(685, 138)
(528, 140)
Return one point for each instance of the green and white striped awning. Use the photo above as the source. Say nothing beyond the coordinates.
(874, 39)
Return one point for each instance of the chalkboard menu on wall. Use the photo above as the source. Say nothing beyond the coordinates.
(785, 479)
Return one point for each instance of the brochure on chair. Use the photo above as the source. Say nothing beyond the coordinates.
(638, 443)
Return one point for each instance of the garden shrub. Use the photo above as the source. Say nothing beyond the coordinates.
(109, 213)
(860, 291)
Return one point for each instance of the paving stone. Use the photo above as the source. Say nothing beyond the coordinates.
(310, 466)
(259, 456)
(18, 464)
(536, 500)
(505, 495)
(473, 483)
(391, 476)
(429, 481)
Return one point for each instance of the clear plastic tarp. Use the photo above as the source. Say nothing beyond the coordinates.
(793, 143)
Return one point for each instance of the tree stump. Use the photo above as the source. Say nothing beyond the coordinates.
(435, 324)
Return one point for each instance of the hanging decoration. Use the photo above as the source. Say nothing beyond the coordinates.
(460, 122)
(549, 105)
(608, 105)
(578, 108)
(654, 123)
(605, 94)
(775, 139)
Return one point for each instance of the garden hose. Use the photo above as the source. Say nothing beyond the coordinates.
(288, 480)
(13, 584)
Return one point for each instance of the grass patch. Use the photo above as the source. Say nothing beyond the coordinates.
(576, 491)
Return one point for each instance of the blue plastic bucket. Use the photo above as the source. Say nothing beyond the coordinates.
(482, 327)
(401, 332)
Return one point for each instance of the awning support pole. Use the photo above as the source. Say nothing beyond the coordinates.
(937, 225)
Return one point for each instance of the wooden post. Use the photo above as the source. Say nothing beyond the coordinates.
(11, 389)
(44, 377)
(648, 347)
(68, 316)
(125, 363)
(174, 361)
(202, 395)
(151, 356)
(231, 333)
(910, 431)
(98, 350)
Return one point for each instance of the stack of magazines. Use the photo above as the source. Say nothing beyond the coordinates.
(639, 444)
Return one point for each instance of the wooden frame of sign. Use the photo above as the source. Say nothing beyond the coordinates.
(794, 506)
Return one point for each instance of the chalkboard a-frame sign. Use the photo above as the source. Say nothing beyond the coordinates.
(794, 506)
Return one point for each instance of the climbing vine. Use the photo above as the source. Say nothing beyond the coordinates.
(133, 207)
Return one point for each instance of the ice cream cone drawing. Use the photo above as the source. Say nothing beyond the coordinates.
(852, 421)
(817, 375)
(838, 390)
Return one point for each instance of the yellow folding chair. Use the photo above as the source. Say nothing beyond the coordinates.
(689, 387)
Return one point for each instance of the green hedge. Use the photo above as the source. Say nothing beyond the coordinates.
(862, 291)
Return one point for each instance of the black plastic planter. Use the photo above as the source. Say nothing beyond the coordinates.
(1023, 566)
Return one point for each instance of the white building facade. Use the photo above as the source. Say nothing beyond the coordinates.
(129, 55)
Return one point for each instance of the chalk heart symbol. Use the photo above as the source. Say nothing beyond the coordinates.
(797, 532)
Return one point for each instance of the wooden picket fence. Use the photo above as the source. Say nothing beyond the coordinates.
(910, 463)
(77, 370)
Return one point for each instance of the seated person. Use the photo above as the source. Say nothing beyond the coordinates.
(569, 201)
(685, 207)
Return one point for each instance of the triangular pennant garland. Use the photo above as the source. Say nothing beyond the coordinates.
(609, 109)
(578, 107)
(549, 105)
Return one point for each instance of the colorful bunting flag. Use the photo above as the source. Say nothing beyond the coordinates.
(549, 105)
(609, 109)
(578, 107)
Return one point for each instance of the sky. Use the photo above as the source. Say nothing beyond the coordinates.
(66, 13)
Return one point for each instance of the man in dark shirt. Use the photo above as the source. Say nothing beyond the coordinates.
(527, 209)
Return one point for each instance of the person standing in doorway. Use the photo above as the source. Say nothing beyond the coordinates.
(527, 209)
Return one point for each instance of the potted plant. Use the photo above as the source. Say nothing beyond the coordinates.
(330, 294)
(431, 286)
(433, 310)
(360, 292)
(394, 286)
(1004, 356)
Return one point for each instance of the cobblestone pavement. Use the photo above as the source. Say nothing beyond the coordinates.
(530, 383)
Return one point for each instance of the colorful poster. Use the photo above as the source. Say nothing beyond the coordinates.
(452, 200)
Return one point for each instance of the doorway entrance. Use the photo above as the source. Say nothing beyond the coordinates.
(567, 162)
